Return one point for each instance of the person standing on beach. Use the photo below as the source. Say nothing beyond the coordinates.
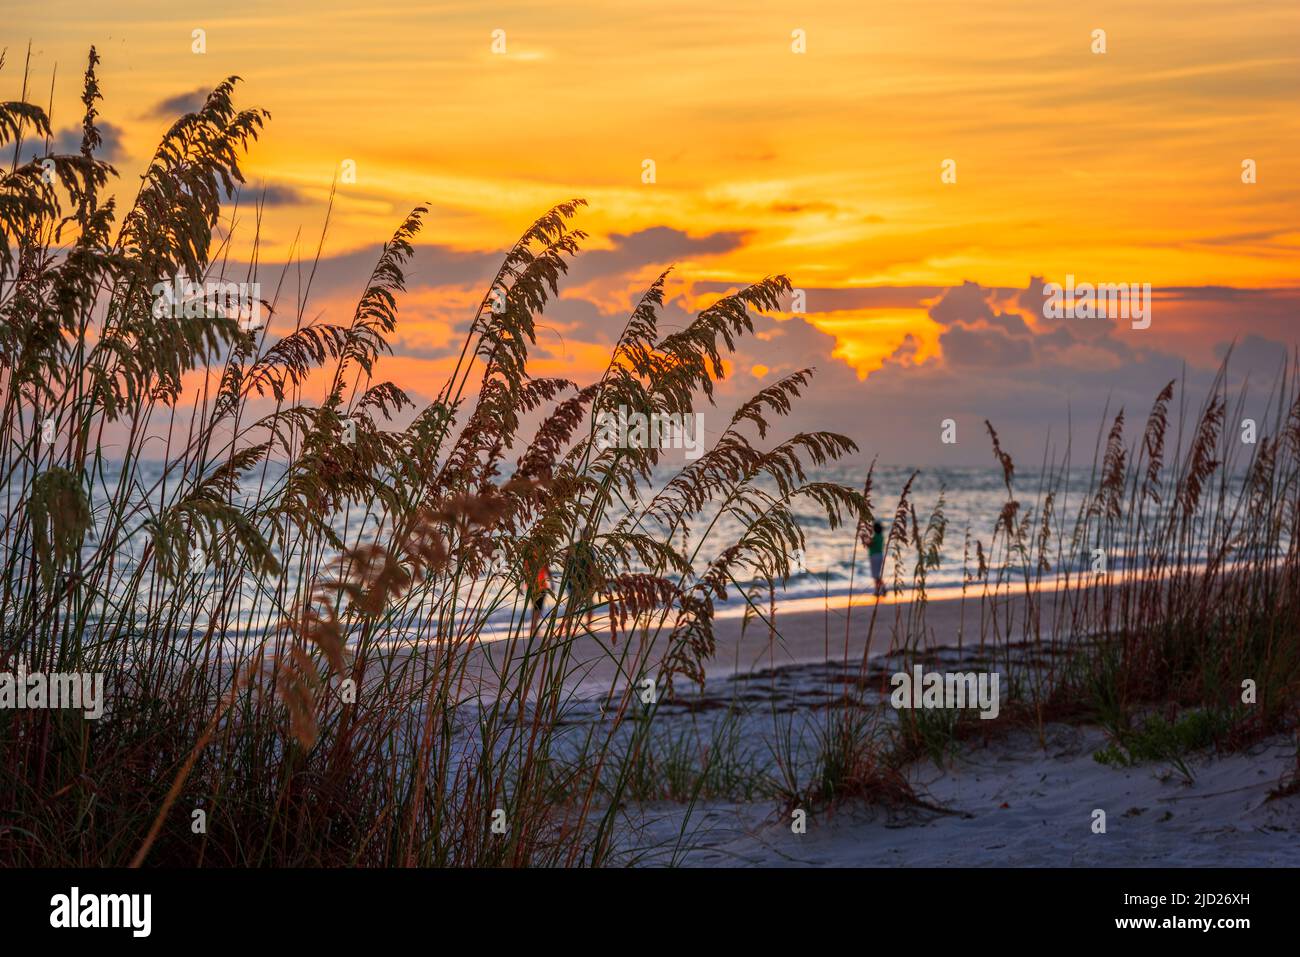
(876, 549)
(538, 577)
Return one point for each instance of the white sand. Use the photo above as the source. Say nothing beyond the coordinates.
(801, 632)
(1015, 801)
(1019, 805)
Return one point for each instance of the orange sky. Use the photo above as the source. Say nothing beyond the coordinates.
(824, 165)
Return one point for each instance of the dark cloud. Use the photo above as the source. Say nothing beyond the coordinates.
(583, 319)
(988, 347)
(1010, 323)
(1216, 293)
(659, 246)
(1044, 388)
(1031, 299)
(906, 352)
(177, 106)
(437, 265)
(822, 299)
(1253, 354)
(976, 334)
(69, 141)
(429, 266)
(401, 347)
(272, 194)
(1058, 337)
(1044, 384)
(967, 303)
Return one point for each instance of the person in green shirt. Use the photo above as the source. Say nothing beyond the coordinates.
(876, 549)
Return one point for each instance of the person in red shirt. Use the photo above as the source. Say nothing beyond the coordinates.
(539, 585)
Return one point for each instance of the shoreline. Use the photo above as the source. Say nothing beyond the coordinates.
(802, 632)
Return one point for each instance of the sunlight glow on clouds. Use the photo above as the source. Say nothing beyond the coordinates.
(824, 165)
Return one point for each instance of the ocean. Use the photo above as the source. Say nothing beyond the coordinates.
(831, 566)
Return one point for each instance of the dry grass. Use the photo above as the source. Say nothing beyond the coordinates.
(255, 676)
(286, 593)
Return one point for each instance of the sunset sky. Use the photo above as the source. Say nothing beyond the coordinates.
(921, 296)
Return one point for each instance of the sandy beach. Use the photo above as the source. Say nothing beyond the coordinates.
(798, 632)
(1011, 799)
(1016, 804)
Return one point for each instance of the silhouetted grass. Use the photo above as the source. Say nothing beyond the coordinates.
(184, 518)
(288, 596)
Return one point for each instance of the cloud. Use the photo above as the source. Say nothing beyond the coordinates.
(830, 299)
(1037, 379)
(176, 106)
(967, 303)
(1044, 384)
(1253, 354)
(583, 319)
(402, 347)
(988, 347)
(656, 248)
(1031, 298)
(69, 141)
(431, 267)
(272, 194)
